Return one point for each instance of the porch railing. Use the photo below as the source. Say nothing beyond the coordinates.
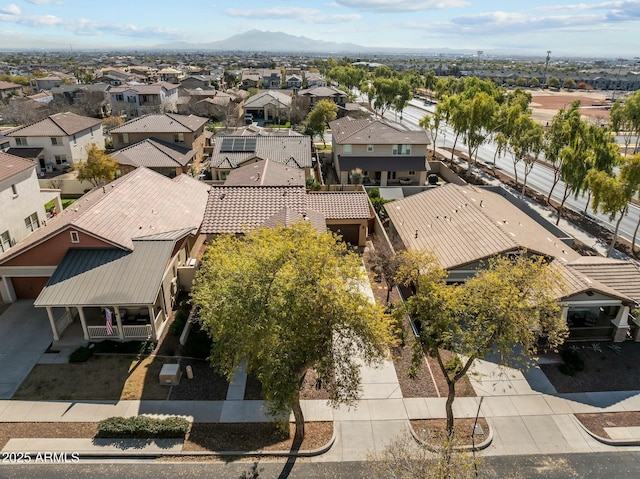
(159, 320)
(590, 333)
(142, 331)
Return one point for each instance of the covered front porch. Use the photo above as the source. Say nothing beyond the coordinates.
(600, 321)
(80, 324)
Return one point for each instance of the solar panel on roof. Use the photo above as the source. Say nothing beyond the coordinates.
(238, 145)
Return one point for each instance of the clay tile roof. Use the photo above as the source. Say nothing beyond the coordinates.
(5, 85)
(621, 276)
(268, 98)
(280, 149)
(161, 123)
(59, 124)
(233, 209)
(153, 153)
(287, 216)
(266, 173)
(11, 165)
(374, 132)
(335, 205)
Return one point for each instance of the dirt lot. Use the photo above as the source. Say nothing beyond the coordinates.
(545, 104)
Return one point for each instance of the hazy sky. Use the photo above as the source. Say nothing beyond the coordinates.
(591, 28)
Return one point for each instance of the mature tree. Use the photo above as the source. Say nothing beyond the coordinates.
(348, 76)
(534, 82)
(383, 258)
(387, 91)
(432, 123)
(612, 194)
(569, 83)
(98, 168)
(554, 82)
(527, 146)
(318, 118)
(503, 310)
(625, 120)
(403, 95)
(285, 301)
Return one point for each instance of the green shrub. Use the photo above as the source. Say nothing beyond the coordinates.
(198, 344)
(128, 347)
(178, 323)
(573, 358)
(143, 427)
(80, 355)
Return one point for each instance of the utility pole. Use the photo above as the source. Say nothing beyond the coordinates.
(546, 65)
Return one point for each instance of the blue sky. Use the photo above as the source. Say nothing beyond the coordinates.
(591, 28)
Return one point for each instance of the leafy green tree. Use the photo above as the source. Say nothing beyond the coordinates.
(569, 83)
(383, 71)
(318, 118)
(285, 301)
(612, 194)
(625, 120)
(390, 92)
(98, 167)
(348, 76)
(521, 82)
(554, 82)
(431, 123)
(534, 82)
(504, 309)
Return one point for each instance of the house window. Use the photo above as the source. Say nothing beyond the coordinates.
(119, 98)
(75, 237)
(223, 175)
(125, 137)
(21, 141)
(391, 175)
(369, 148)
(401, 149)
(56, 141)
(412, 172)
(14, 190)
(75, 141)
(5, 241)
(60, 159)
(178, 137)
(346, 149)
(31, 222)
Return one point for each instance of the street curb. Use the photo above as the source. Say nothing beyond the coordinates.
(478, 447)
(127, 453)
(609, 442)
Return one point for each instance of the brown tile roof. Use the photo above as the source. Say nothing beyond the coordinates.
(621, 276)
(464, 224)
(322, 92)
(338, 205)
(161, 123)
(153, 153)
(141, 203)
(59, 124)
(11, 165)
(5, 85)
(268, 98)
(233, 209)
(352, 131)
(292, 151)
(287, 216)
(266, 173)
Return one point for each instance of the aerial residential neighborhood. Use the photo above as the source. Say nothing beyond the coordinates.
(365, 255)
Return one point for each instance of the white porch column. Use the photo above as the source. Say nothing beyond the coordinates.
(83, 322)
(52, 321)
(152, 319)
(621, 324)
(69, 315)
(383, 178)
(7, 292)
(119, 322)
(422, 178)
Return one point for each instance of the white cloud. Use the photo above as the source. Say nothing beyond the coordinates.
(11, 9)
(305, 15)
(44, 2)
(401, 5)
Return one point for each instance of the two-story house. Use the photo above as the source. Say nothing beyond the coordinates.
(135, 100)
(8, 90)
(167, 143)
(383, 154)
(92, 97)
(170, 75)
(311, 96)
(22, 200)
(294, 82)
(313, 79)
(272, 78)
(58, 141)
(52, 80)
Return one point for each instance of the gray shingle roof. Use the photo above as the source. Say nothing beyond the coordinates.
(352, 131)
(277, 148)
(161, 123)
(153, 153)
(11, 165)
(59, 124)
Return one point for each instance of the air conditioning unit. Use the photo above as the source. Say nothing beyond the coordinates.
(192, 263)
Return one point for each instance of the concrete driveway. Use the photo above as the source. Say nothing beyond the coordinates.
(25, 334)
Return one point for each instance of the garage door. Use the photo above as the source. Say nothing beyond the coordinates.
(29, 288)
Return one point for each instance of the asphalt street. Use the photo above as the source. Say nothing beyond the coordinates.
(619, 465)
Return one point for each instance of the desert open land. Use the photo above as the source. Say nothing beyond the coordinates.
(545, 104)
